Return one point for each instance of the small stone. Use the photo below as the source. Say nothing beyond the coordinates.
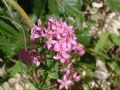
(12, 81)
(83, 73)
(101, 75)
(97, 5)
(1, 88)
(18, 76)
(25, 76)
(1, 60)
(27, 86)
(18, 87)
(6, 86)
(101, 65)
(2, 70)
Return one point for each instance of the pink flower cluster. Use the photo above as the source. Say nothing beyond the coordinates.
(37, 31)
(35, 57)
(60, 38)
(68, 78)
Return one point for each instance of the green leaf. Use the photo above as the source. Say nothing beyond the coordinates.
(31, 86)
(102, 42)
(86, 87)
(114, 5)
(17, 68)
(84, 37)
(53, 75)
(89, 60)
(53, 9)
(39, 7)
(72, 8)
(7, 30)
(11, 40)
(115, 67)
(115, 39)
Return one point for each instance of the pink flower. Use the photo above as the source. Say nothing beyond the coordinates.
(50, 42)
(65, 83)
(70, 66)
(63, 61)
(67, 73)
(75, 77)
(79, 49)
(57, 56)
(57, 47)
(39, 23)
(65, 55)
(36, 61)
(36, 31)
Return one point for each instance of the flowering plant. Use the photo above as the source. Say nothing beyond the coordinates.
(59, 44)
(61, 40)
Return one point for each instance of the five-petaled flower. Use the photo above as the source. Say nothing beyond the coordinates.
(65, 83)
(76, 77)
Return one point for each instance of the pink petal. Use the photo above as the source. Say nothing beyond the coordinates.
(56, 57)
(66, 87)
(75, 77)
(65, 77)
(39, 23)
(69, 82)
(60, 81)
(49, 45)
(61, 86)
(64, 45)
(67, 73)
(53, 27)
(62, 61)
(65, 55)
(36, 61)
(70, 66)
(73, 42)
(81, 52)
(69, 47)
(58, 36)
(34, 36)
(57, 47)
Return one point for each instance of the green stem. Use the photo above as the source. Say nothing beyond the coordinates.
(21, 11)
(46, 75)
(8, 8)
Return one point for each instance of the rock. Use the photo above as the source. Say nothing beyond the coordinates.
(18, 87)
(6, 86)
(12, 81)
(1, 88)
(18, 82)
(97, 5)
(83, 73)
(18, 76)
(2, 70)
(101, 75)
(101, 65)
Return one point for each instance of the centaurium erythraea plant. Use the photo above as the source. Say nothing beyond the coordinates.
(59, 38)
(62, 40)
